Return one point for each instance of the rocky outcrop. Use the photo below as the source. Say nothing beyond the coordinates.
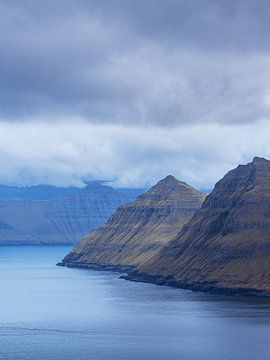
(138, 230)
(60, 220)
(226, 245)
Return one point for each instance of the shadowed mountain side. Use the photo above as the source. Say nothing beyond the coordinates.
(60, 220)
(137, 230)
(226, 245)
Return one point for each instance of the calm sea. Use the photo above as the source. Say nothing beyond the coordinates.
(49, 312)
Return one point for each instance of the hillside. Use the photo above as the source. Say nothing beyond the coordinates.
(138, 230)
(226, 245)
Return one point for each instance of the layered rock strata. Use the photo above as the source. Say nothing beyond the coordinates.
(138, 230)
(226, 245)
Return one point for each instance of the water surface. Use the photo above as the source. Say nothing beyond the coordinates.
(49, 312)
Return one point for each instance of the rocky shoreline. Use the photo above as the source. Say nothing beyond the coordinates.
(95, 266)
(224, 248)
(208, 287)
(130, 274)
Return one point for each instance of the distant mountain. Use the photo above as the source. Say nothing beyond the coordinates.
(137, 230)
(35, 192)
(46, 214)
(226, 245)
(47, 192)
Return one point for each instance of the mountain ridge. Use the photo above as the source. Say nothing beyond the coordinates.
(225, 247)
(138, 229)
(60, 220)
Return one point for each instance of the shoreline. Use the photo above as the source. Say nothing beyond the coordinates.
(131, 274)
(96, 266)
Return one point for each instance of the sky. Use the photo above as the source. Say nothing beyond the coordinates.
(132, 91)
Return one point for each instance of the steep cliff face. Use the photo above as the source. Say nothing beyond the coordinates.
(137, 230)
(226, 245)
(59, 220)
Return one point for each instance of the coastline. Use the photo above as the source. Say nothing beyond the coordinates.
(96, 266)
(131, 274)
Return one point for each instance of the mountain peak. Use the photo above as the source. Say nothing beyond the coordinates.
(138, 229)
(170, 191)
(174, 186)
(169, 179)
(260, 160)
(226, 244)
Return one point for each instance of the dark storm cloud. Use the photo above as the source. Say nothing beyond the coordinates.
(145, 62)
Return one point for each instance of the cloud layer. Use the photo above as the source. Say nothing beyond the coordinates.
(132, 90)
(65, 153)
(151, 62)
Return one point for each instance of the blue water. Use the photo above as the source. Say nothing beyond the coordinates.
(49, 312)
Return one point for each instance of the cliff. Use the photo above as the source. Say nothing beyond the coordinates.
(138, 230)
(226, 245)
(57, 220)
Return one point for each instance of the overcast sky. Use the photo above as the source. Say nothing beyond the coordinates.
(132, 90)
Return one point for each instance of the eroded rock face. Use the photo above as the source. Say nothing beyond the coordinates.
(61, 220)
(137, 230)
(226, 245)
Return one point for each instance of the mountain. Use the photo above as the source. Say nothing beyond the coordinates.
(47, 192)
(58, 219)
(35, 192)
(136, 231)
(226, 245)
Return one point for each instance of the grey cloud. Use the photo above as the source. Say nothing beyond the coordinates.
(65, 153)
(145, 62)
